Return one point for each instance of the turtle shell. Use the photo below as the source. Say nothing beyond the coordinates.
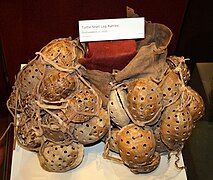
(63, 52)
(60, 158)
(113, 145)
(93, 130)
(160, 146)
(29, 77)
(57, 85)
(196, 106)
(83, 105)
(28, 134)
(144, 101)
(175, 126)
(118, 107)
(170, 86)
(56, 127)
(136, 145)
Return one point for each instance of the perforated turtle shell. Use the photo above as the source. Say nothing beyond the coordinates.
(149, 167)
(83, 105)
(113, 145)
(29, 105)
(93, 130)
(170, 86)
(160, 146)
(29, 77)
(174, 62)
(57, 85)
(118, 107)
(28, 134)
(63, 52)
(60, 158)
(176, 126)
(196, 106)
(144, 101)
(56, 127)
(136, 145)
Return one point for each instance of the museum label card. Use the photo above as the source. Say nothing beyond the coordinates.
(111, 29)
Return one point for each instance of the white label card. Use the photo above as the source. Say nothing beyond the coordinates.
(111, 29)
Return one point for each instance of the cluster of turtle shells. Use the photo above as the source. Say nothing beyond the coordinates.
(150, 118)
(56, 111)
